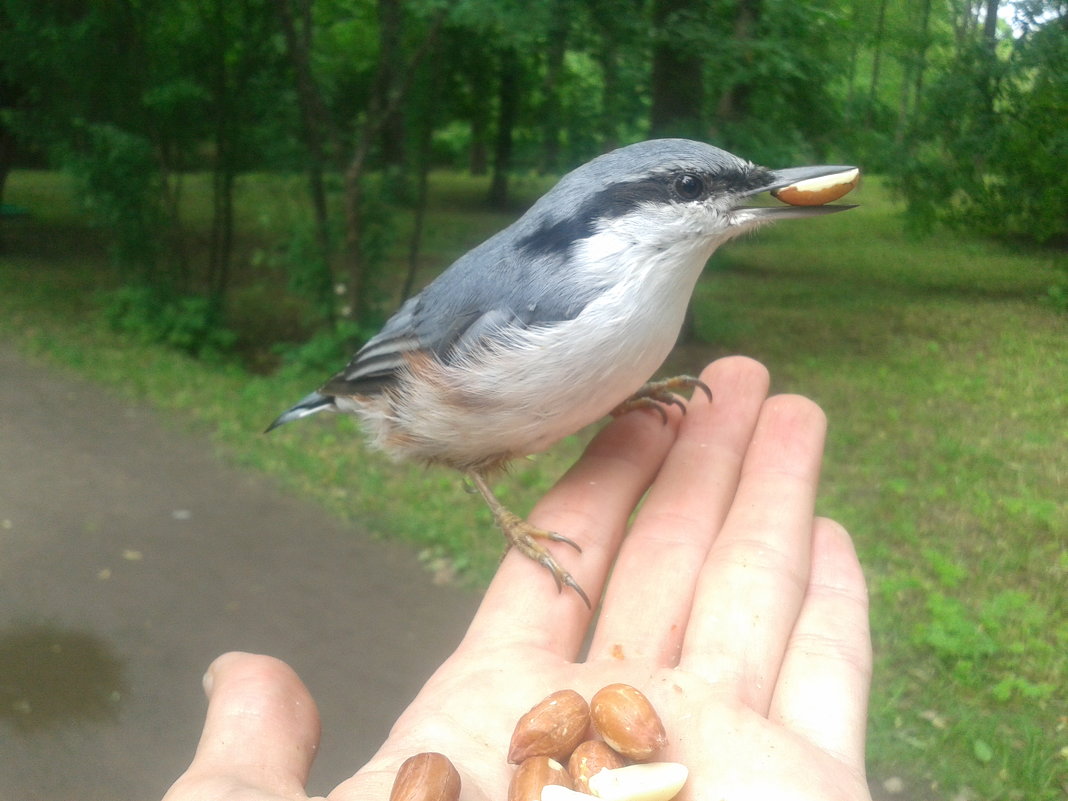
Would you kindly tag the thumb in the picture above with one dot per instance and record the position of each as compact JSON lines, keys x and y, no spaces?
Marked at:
{"x":261,"y":732}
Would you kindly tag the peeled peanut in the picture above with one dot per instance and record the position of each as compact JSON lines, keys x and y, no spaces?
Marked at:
{"x":626,"y":720}
{"x":818,"y":191}
{"x":533,"y":775}
{"x":556,"y":792}
{"x":589,"y":758}
{"x":650,"y":781}
{"x":426,"y":777}
{"x":552,"y":728}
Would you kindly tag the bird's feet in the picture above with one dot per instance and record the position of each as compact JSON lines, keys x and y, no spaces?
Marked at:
{"x":525,"y":537}
{"x":658,"y":394}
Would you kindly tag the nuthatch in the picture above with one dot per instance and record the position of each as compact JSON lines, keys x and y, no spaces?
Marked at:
{"x":557,"y":320}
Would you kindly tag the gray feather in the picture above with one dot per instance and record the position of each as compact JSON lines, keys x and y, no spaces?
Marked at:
{"x":310,"y":404}
{"x":520,"y":277}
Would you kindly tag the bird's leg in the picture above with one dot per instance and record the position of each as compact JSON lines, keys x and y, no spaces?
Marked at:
{"x":658,"y":394}
{"x":524,"y":536}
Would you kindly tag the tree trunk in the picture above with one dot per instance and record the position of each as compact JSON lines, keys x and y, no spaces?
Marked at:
{"x":677,"y":88}
{"x":608,"y":56}
{"x":551,"y":123}
{"x":7,"y":158}
{"x":508,"y":88}
{"x":430,"y":88}
{"x":854,"y":52}
{"x":733,"y":105}
{"x":222,"y":180}
{"x":222,"y":231}
{"x":990,"y":23}
{"x":389,"y":78}
{"x":876,"y":64}
{"x":478,"y":158}
{"x":481,"y":77}
{"x":907,"y":61}
{"x":925,"y":43}
{"x":380,"y":109}
{"x":315,"y":128}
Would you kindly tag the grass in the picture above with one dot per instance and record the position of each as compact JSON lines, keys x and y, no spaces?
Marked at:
{"x":943,"y":373}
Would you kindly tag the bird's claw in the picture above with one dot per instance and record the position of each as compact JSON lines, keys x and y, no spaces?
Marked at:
{"x":562,"y":577}
{"x":554,"y":537}
{"x":524,"y":537}
{"x":658,"y":394}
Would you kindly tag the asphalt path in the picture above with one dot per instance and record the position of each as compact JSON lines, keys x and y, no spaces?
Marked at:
{"x":130,"y":556}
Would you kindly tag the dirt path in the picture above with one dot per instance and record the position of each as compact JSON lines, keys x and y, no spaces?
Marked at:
{"x":130,"y":557}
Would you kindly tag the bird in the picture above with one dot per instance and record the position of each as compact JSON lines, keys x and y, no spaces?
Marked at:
{"x":558,"y":320}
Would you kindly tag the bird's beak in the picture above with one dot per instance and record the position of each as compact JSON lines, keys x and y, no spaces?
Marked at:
{"x":807,"y":190}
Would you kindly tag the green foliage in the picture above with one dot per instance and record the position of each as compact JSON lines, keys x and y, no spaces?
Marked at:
{"x":294,"y":247}
{"x":309,"y":276}
{"x":324,"y":352}
{"x":786,"y":76}
{"x":189,"y":324}
{"x":119,"y":184}
{"x":378,"y":235}
{"x":380,"y":193}
{"x":1058,"y":290}
{"x":988,"y":151}
{"x":972,"y":128}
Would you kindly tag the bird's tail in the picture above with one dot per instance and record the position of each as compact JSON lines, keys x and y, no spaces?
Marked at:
{"x":308,"y":405}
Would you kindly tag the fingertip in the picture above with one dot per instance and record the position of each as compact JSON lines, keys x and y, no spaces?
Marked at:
{"x":240,"y":667}
{"x":788,"y":439}
{"x":737,"y":366}
{"x":221,"y":664}
{"x":732,"y":381}
{"x":835,"y":562}
{"x":835,"y":535}
{"x":260,"y":717}
{"x":804,"y":411}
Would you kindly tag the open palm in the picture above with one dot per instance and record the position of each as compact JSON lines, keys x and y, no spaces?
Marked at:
{"x":738,"y":612}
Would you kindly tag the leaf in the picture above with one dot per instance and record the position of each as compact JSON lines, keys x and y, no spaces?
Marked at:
{"x":982,"y":750}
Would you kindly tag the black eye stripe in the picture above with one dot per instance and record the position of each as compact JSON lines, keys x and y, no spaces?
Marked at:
{"x":620,"y":199}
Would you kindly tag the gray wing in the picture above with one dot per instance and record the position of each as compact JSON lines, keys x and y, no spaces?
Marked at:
{"x":488,"y":293}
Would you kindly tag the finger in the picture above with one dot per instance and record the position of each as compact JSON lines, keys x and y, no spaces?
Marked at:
{"x":822,"y":691}
{"x":261,"y":731}
{"x":754,"y":578}
{"x":591,"y":504}
{"x":650,"y":594}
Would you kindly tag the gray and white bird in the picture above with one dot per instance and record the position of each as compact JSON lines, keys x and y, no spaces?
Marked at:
{"x":557,"y":320}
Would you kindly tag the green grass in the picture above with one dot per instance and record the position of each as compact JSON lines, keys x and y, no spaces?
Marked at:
{"x":944,"y":375}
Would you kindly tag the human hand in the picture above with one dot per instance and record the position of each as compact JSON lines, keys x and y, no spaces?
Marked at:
{"x":739,"y":613}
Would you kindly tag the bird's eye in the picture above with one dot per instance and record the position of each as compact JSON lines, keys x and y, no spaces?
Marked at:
{"x":689,"y":186}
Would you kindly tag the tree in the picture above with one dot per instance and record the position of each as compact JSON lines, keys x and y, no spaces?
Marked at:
{"x":677,"y":67}
{"x":509,"y":84}
{"x":320,"y":138}
{"x":988,"y":148}
{"x":383,"y":105}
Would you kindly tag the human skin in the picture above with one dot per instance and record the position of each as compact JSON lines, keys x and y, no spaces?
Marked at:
{"x":729,"y":603}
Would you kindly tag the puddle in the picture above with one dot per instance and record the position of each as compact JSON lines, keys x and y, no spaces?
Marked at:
{"x":51,"y":676}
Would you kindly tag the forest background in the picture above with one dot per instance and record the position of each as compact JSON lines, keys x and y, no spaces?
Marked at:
{"x":256,"y":184}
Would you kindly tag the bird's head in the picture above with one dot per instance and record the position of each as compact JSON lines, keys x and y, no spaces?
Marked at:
{"x":661,"y":196}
